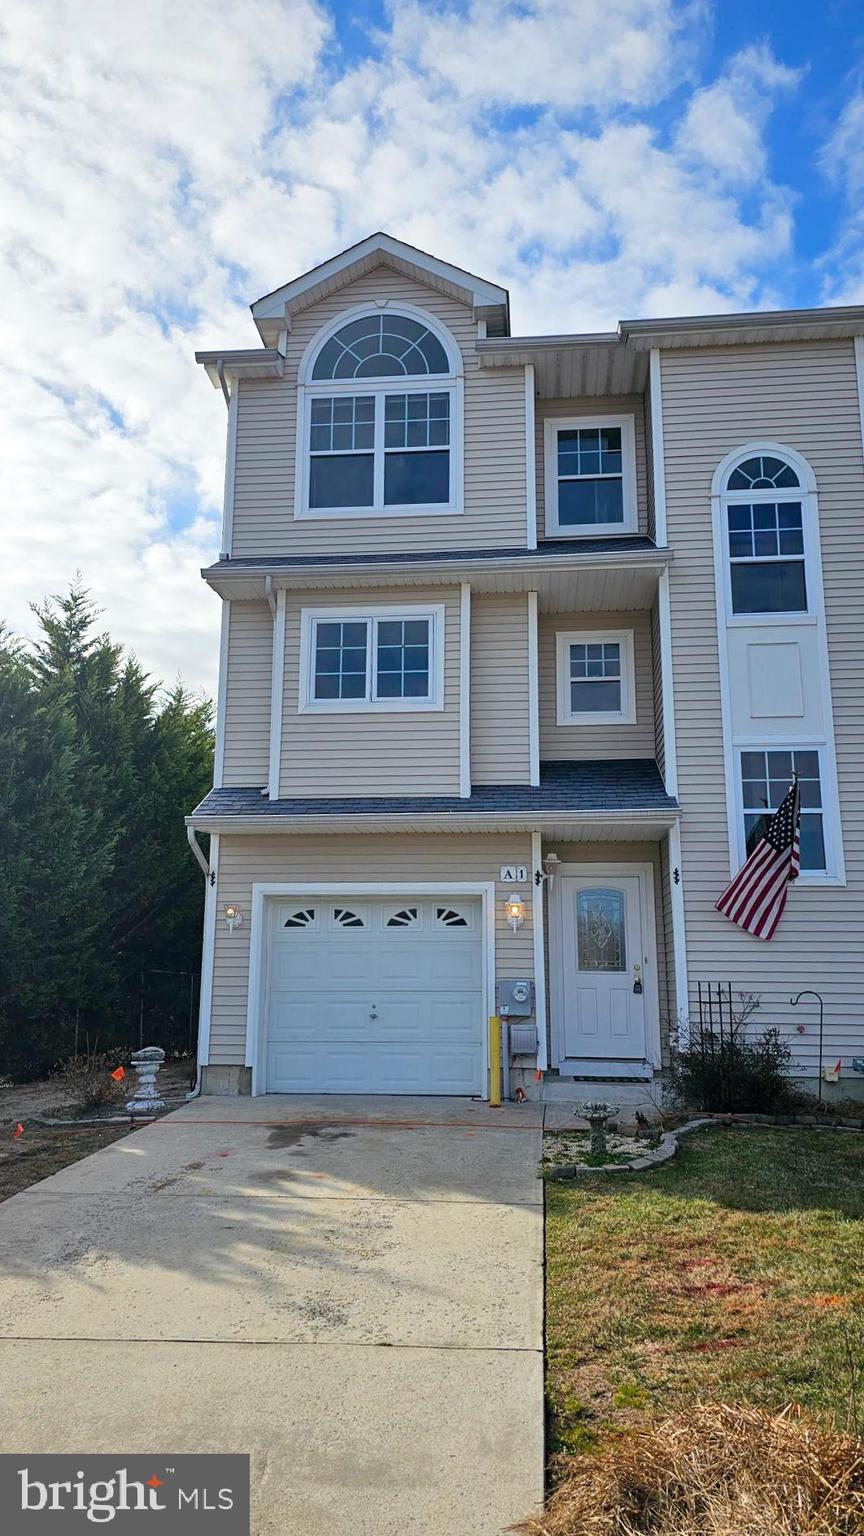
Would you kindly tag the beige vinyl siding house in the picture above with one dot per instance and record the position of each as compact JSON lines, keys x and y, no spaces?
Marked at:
{"x":246,"y":706}
{"x":494,"y":468}
{"x":593,"y":406}
{"x":587,"y":740}
{"x":806,"y":397}
{"x":475,"y":765}
{"x":499,"y":699}
{"x":400,"y":753}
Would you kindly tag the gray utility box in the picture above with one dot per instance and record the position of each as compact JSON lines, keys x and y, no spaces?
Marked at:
{"x":515,"y":999}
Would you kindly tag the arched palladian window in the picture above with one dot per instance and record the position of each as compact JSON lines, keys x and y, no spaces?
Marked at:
{"x":764,"y":513}
{"x":381,"y":417}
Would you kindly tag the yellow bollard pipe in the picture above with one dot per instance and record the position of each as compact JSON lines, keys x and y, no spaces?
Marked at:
{"x":494,"y":1062}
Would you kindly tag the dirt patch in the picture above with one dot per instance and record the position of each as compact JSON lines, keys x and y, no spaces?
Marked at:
{"x":42,"y":1150}
{"x":563,"y":1147}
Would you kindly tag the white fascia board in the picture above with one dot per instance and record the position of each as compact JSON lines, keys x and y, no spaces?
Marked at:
{"x":478,"y":291}
{"x":463,"y":821}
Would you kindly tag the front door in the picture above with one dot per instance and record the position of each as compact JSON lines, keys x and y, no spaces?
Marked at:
{"x":603,"y":984}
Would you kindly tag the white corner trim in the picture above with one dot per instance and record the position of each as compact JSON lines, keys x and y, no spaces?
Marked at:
{"x":667,"y":686}
{"x":679,"y":933}
{"x":552,"y":426}
{"x":859,"y":374}
{"x":658,"y":460}
{"x":533,"y":693}
{"x":624,"y":639}
{"x":221,"y":695}
{"x":277,"y":683}
{"x":230,"y":471}
{"x":205,"y":1002}
{"x":465,"y":690}
{"x":530,"y":461}
{"x":538,"y":897}
{"x":259,"y":927}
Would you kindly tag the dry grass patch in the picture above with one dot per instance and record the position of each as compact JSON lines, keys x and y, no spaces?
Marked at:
{"x":734,"y":1273}
{"x":715,"y":1471}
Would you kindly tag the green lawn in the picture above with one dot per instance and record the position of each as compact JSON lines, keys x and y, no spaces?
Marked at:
{"x":734,"y":1273}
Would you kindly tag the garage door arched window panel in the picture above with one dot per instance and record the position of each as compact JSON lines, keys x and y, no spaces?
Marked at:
{"x":348,"y":917}
{"x":380,"y":417}
{"x":306,"y":917}
{"x":404,"y":917}
{"x":451,"y":917}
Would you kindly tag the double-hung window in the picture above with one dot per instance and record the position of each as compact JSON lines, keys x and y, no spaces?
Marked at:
{"x":766,"y":778}
{"x":590,"y":471}
{"x":382,"y":421}
{"x":596,"y":678}
{"x":372,"y":659}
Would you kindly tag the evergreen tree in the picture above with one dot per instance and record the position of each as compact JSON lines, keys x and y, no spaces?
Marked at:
{"x":97,"y":769}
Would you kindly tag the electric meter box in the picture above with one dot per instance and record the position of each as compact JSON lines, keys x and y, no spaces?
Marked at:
{"x":515,"y":999}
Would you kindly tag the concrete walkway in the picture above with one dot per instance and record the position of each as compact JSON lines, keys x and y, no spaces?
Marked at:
{"x":348,"y":1289}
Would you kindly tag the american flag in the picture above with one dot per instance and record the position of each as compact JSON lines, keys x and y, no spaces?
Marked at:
{"x":756,"y":897}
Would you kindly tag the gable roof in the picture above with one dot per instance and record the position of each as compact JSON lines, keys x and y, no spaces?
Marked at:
{"x":489,"y":301}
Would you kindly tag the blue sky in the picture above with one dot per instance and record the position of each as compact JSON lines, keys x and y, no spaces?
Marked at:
{"x":162,"y":166}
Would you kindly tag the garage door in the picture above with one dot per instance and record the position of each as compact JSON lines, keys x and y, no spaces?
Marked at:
{"x":375,"y":996}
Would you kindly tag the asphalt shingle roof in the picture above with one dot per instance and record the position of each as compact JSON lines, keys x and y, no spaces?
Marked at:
{"x":635,"y":544}
{"x":632,"y":784}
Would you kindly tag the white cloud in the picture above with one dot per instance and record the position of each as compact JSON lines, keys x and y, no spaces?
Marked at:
{"x":162,"y":165}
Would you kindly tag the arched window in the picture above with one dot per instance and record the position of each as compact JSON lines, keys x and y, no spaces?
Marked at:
{"x":764,"y":527}
{"x":381,"y":417}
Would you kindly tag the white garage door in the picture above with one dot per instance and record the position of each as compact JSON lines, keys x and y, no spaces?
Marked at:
{"x":375,"y":996}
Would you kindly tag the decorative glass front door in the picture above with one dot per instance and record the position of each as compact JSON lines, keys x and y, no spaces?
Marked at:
{"x":603,"y":962}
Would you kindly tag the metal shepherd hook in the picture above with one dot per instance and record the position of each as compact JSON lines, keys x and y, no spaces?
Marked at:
{"x":808,"y":992}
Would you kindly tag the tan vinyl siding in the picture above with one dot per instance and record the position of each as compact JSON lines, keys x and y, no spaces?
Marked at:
{"x":596,"y":741}
{"x":591,"y":405}
{"x":632,"y":853}
{"x":247,"y":694}
{"x":375,"y":753}
{"x":499,"y":689}
{"x":715,"y":401}
{"x":247,"y":860}
{"x":494,"y":468}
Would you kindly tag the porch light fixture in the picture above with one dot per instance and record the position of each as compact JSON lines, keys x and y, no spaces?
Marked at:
{"x":550,"y":867}
{"x":514,"y":907}
{"x":233,"y":917}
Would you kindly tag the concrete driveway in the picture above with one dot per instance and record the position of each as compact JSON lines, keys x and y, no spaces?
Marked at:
{"x":348,"y":1289}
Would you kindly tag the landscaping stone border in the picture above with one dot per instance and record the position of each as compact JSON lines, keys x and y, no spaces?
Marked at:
{"x":654,"y":1156}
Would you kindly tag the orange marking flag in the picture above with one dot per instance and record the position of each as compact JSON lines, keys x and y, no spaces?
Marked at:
{"x":118,"y":1074}
{"x":18,"y":1131}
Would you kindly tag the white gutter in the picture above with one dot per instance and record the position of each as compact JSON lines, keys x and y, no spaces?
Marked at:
{"x":447,"y":821}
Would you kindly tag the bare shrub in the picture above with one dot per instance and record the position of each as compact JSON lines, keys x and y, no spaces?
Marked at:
{"x":715,"y":1471}
{"x":87,"y":1082}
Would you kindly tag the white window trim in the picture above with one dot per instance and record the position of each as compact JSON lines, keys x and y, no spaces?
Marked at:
{"x":451,"y":384}
{"x":806,"y":494}
{"x":835,"y":874}
{"x":830,"y":814}
{"x":555,"y":424}
{"x":622,"y":637}
{"x":309,"y":617}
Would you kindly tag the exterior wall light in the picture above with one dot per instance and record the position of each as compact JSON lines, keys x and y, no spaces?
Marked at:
{"x":514,"y":907}
{"x":550,"y":867}
{"x":233,"y":917}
